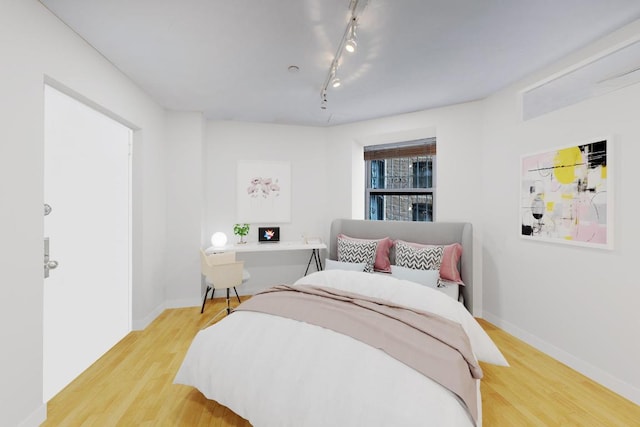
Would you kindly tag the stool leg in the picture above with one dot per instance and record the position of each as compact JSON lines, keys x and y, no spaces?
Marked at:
{"x":205,"y":298}
{"x":237,"y":296}
{"x":228,"y":306}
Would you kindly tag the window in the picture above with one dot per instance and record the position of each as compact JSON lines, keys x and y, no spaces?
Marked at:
{"x":400,"y":181}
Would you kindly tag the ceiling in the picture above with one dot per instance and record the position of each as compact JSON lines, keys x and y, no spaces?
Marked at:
{"x":230,"y":59}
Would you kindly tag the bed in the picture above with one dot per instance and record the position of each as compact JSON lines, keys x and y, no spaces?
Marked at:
{"x":274,"y":370}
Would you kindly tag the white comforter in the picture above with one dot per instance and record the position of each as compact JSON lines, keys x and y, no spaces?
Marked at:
{"x":279,"y":372}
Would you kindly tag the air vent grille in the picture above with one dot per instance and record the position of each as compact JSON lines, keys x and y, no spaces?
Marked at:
{"x":607,"y":72}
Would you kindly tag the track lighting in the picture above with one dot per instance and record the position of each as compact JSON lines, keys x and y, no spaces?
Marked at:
{"x":348,"y":43}
{"x":323,"y":103}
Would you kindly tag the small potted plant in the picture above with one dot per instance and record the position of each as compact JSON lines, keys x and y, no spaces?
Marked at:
{"x":241,"y":230}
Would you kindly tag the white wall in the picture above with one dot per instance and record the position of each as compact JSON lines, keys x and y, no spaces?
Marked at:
{"x":580,"y":305}
{"x":305,"y":148}
{"x":35,"y":44}
{"x":185,"y":204}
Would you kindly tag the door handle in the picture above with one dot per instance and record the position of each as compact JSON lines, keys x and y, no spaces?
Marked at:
{"x":48,"y":264}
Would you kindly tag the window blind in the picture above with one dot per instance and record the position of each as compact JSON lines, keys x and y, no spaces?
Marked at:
{"x":390,"y":151}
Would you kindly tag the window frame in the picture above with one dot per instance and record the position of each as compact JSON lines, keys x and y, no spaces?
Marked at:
{"x":396,"y":150}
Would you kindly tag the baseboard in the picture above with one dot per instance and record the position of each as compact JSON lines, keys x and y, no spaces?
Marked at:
{"x":185,"y":302}
{"x":598,"y":375}
{"x":36,"y":418}
{"x":243,"y":290}
{"x":140,"y":324}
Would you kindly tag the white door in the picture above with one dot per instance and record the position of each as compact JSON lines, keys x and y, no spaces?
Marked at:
{"x":87,"y":298}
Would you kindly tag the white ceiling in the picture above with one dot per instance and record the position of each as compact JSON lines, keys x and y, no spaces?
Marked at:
{"x":229,"y":58}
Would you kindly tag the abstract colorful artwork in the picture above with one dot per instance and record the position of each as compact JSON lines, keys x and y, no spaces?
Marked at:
{"x":566,"y":195}
{"x":263,"y":191}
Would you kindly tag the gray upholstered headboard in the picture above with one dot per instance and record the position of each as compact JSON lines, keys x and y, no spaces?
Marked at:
{"x":431,"y":233}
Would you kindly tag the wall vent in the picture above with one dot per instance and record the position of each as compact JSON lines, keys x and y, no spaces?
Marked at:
{"x":614,"y":69}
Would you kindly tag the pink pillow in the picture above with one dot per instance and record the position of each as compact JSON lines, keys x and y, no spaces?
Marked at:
{"x":382,"y":262}
{"x":449,"y":265}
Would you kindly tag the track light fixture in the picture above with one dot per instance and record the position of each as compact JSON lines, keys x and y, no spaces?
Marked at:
{"x":352,"y":43}
{"x":348,"y":43}
{"x":335,"y":81}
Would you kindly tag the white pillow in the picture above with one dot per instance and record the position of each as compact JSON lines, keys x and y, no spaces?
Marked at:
{"x":330,"y":264}
{"x":423,"y":277}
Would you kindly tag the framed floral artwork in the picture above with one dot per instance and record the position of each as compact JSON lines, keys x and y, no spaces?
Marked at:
{"x":566,"y":195}
{"x":264,"y":191}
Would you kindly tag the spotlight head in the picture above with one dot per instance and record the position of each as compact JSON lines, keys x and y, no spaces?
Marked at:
{"x":335,"y":82}
{"x":351,"y":45}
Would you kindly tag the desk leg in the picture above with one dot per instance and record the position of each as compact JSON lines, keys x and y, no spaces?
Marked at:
{"x":309,"y":263}
{"x":315,"y":255}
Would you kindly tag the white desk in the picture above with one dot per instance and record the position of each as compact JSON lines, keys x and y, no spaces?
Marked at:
{"x":275,"y":247}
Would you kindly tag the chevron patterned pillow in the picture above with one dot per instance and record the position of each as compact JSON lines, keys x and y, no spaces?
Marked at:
{"x":428,"y":258}
{"x":357,"y":252}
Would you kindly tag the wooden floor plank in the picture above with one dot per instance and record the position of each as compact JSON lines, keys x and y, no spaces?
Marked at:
{"x":132,"y":385}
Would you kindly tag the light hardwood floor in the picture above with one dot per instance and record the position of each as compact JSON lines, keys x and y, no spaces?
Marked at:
{"x":132,"y":385}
